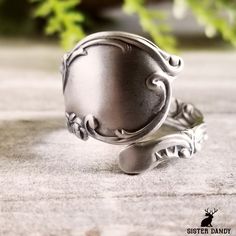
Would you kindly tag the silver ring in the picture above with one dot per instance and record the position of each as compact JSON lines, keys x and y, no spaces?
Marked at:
{"x":117,"y":89}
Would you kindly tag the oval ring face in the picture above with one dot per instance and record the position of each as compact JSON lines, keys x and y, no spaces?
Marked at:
{"x":118,"y":86}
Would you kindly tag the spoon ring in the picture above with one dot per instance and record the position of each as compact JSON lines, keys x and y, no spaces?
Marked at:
{"x":117,"y":89}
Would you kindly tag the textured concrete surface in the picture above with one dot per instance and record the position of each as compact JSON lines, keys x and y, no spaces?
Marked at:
{"x":54,"y":184}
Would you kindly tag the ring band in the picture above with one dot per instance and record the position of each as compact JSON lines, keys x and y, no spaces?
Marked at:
{"x":117,"y":89}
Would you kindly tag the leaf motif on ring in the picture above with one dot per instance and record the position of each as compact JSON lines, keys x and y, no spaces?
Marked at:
{"x":156,"y":83}
{"x":88,"y":125}
{"x":75,"y":126}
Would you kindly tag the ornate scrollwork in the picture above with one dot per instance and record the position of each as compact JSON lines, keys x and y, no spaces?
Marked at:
{"x":80,"y":50}
{"x":89,"y":125}
{"x":76,"y":126}
{"x":158,"y":83}
{"x":182,"y":144}
{"x":159,"y":86}
{"x":184,"y":114}
{"x":189,"y":120}
{"x":170,"y":64}
{"x":82,"y":128}
{"x":151,"y":142}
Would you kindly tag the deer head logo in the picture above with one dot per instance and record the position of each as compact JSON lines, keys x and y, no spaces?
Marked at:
{"x":207,"y":221}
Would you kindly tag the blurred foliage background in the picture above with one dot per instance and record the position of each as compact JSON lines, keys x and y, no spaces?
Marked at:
{"x":71,"y":20}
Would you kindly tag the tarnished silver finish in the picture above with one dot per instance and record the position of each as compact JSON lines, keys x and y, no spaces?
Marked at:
{"x":117,"y":89}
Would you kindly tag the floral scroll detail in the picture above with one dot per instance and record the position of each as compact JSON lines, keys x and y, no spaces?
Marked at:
{"x":185,"y":114}
{"x":83,"y":128}
{"x":189,"y":120}
{"x":182,"y":145}
{"x":75,"y":125}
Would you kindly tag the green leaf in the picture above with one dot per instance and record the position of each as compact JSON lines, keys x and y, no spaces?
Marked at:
{"x":152,"y":22}
{"x":53,"y":26}
{"x":64,"y":19}
{"x":44,"y":9}
{"x":213,"y":15}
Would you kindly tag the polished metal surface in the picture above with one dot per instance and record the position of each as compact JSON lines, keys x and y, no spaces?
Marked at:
{"x":117,"y":89}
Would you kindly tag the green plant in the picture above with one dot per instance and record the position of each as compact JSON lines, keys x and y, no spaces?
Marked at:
{"x":63,"y":18}
{"x":218,"y":16}
{"x":152,"y":22}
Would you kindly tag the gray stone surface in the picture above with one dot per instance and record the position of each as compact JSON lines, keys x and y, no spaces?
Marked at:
{"x":54,"y":184}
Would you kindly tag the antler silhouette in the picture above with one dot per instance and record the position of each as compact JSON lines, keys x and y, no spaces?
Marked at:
{"x":213,"y":212}
{"x":206,"y":210}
